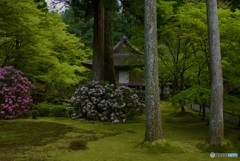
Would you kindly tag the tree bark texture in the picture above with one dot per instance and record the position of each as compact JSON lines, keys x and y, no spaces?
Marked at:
{"x":216,"y":122}
{"x":153,"y":116}
{"x":109,"y":75}
{"x":98,"y":44}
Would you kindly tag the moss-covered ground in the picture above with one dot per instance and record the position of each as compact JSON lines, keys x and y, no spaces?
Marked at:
{"x":62,"y":139}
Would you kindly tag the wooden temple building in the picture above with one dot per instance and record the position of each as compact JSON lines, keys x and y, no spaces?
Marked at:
{"x":126,"y":58}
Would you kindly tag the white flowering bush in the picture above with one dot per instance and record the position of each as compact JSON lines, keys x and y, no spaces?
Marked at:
{"x":101,"y":101}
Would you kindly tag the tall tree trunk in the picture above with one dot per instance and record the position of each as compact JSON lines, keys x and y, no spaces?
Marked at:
{"x":109,"y":75}
{"x":216,"y":122}
{"x":153,"y":117}
{"x":98,"y":44}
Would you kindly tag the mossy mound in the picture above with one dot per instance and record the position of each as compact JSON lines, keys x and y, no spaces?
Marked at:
{"x":224,"y":147}
{"x":162,"y":146}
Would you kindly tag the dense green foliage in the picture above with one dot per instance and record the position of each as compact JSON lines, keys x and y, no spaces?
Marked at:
{"x":58,"y":111}
{"x":36,"y":42}
{"x":82,"y":26}
{"x":46,"y":109}
{"x":195,"y":94}
{"x":43,"y":109}
{"x":50,"y":52}
{"x":183,"y":42}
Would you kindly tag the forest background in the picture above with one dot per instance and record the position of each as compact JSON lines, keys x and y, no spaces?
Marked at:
{"x":49,"y":46}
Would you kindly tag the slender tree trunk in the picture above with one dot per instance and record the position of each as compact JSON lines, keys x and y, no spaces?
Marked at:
{"x":153,"y":117}
{"x":162,"y":91}
{"x":200,"y":110}
{"x":16,"y":57}
{"x":181,"y":89}
{"x":182,"y":108}
{"x":98,"y":47}
{"x":204,"y":113}
{"x":204,"y":110}
{"x":216,"y":123}
{"x":175,"y":85}
{"x":109,"y":75}
{"x":199,"y":74}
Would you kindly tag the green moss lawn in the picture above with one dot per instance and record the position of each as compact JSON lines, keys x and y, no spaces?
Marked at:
{"x":62,"y":139}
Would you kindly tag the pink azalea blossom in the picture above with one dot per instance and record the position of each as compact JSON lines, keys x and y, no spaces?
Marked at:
{"x":15,"y":96}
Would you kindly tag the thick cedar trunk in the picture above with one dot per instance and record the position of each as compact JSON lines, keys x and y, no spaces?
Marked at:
{"x":108,"y":43}
{"x":216,"y":123}
{"x":98,"y":48}
{"x":153,"y":117}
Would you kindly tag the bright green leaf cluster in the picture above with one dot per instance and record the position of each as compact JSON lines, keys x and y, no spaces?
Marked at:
{"x":36,"y":42}
{"x":195,"y":94}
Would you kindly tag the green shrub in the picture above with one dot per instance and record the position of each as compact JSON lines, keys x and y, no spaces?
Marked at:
{"x":26,"y":115}
{"x":49,"y":98}
{"x":57,"y":101}
{"x":34,"y":113}
{"x":43,"y":111}
{"x":70,"y":111}
{"x":58,"y":111}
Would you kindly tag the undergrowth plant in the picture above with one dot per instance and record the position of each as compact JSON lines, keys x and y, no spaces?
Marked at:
{"x":15,"y":93}
{"x":101,"y":101}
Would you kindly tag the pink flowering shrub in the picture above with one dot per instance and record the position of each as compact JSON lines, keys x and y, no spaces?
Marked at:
{"x":15,"y":95}
{"x":104,"y":102}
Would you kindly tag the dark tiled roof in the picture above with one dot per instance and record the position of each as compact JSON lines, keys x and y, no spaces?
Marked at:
{"x":125,"y":56}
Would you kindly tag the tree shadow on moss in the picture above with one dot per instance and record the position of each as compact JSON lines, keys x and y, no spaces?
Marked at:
{"x":16,"y":134}
{"x":78,"y":145}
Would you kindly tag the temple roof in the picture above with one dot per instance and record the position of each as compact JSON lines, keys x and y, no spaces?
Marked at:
{"x":125,"y":56}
